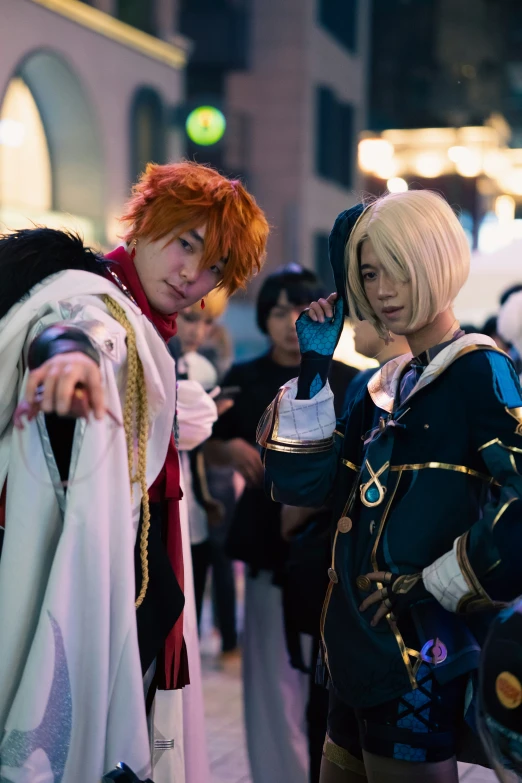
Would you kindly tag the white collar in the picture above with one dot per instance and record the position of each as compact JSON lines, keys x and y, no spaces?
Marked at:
{"x":382,"y":387}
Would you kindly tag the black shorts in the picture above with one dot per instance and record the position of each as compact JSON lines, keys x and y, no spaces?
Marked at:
{"x":421,"y":726}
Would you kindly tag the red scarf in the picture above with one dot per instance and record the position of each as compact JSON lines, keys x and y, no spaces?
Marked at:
{"x":166,"y":487}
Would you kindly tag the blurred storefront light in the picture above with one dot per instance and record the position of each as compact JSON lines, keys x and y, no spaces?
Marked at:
{"x":25,"y":161}
{"x":26,"y":180}
{"x":495,"y":163}
{"x":376,"y":155}
{"x":12,"y":133}
{"x":429,"y":165}
{"x":387,"y":170}
{"x":397,"y":185}
{"x":505,"y":209}
{"x":469,"y":163}
{"x":512,"y":181}
{"x":476,"y":152}
{"x":456,"y":153}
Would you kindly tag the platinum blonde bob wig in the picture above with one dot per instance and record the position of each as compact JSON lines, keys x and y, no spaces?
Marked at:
{"x":418,"y":239}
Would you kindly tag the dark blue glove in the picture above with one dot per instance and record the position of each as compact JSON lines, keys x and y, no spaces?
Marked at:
{"x":317,"y":342}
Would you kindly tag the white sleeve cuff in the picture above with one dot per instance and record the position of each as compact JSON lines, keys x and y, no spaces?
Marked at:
{"x":197,"y":413}
{"x":305,"y":421}
{"x":445,"y":581}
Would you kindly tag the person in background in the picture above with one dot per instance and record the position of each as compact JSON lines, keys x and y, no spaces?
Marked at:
{"x":194,"y":325}
{"x":368,"y":343}
{"x":212,"y":493}
{"x":218,"y":347}
{"x":509,"y":326}
{"x":504,"y":296}
{"x":491,"y":329}
{"x":275,"y":694}
{"x":514,"y":353}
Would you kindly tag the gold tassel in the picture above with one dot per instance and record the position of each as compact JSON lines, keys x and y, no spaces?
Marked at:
{"x":136,"y":410}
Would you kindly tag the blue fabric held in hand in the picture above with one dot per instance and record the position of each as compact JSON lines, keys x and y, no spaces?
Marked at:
{"x":317,"y":337}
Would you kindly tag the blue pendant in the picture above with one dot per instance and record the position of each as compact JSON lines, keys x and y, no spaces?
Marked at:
{"x":372,"y":495}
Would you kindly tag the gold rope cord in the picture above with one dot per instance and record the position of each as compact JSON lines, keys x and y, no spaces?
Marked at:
{"x":136,"y":409}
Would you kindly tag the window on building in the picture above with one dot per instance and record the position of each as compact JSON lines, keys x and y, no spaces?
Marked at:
{"x":340,"y":18}
{"x":25,"y":162}
{"x":148,"y":131}
{"x":138,"y":13}
{"x":334,"y":138}
{"x":323,"y":269}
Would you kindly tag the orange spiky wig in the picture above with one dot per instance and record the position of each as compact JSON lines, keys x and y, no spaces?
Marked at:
{"x":183,"y":196}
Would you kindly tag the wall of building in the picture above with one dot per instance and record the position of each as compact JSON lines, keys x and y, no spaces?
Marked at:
{"x":272,"y":92}
{"x":290,"y":56}
{"x":345,"y":73}
{"x":84,"y":84}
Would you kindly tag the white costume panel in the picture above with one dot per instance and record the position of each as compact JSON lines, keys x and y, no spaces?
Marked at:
{"x":71,"y":691}
{"x":180,"y":750}
{"x":275,"y":694}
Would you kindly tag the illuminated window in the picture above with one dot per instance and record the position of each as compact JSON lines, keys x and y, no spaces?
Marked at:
{"x":25,"y":164}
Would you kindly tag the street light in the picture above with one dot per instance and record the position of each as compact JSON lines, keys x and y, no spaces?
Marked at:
{"x":397,"y":185}
{"x":429,"y":164}
{"x":376,"y":157}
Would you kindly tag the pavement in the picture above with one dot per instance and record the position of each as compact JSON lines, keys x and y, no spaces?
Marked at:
{"x":225,"y":731}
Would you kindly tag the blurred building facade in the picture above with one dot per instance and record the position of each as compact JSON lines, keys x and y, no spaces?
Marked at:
{"x":291,"y":78}
{"x":91,"y":90}
{"x":441,"y":63}
{"x":445,"y":112}
{"x":87,"y":91}
{"x":446,"y":106}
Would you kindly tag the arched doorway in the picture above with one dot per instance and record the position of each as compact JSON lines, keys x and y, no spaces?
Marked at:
{"x":51,"y":163}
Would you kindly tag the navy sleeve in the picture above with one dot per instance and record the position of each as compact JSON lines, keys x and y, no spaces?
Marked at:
{"x":307,"y":475}
{"x":489,"y":554}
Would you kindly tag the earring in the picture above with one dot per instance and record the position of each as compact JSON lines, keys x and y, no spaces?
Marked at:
{"x":133,"y":251}
{"x":203,"y":304}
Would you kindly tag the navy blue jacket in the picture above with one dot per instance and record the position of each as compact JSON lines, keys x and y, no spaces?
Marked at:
{"x":445,"y":464}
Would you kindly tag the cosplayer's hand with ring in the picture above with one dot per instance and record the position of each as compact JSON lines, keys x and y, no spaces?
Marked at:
{"x":399,"y":592}
{"x":68,"y":384}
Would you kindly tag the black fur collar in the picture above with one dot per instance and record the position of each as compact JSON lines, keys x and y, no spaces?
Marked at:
{"x":29,"y":256}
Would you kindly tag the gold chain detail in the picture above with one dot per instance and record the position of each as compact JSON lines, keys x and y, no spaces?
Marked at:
{"x":136,"y":409}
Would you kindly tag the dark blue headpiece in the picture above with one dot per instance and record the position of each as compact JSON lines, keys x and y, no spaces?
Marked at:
{"x":339,"y":236}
